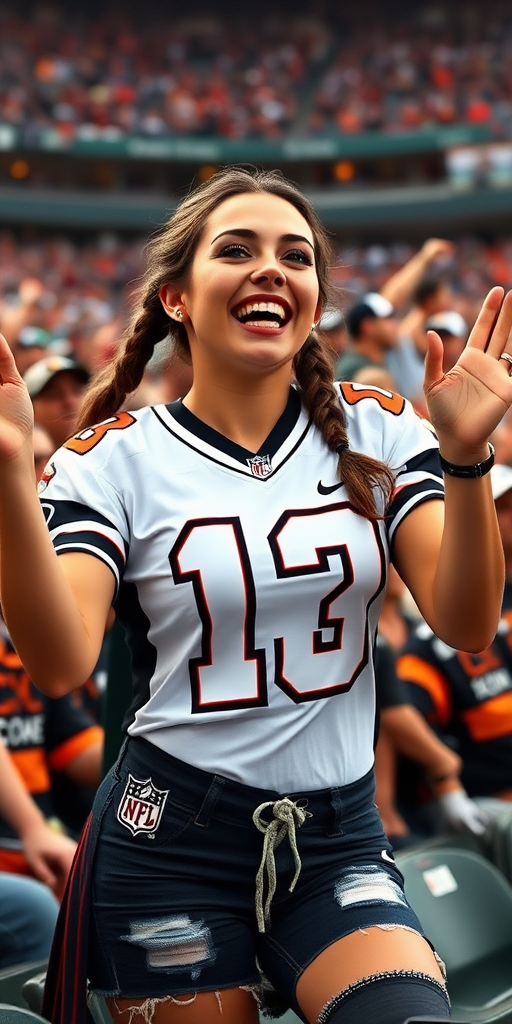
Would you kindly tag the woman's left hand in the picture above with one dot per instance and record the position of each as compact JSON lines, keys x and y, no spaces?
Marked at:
{"x":466,"y":404}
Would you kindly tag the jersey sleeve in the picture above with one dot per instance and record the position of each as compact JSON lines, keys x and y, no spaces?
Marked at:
{"x":385,"y":426}
{"x":84,"y":511}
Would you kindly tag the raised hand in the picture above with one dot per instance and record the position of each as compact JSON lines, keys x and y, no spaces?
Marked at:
{"x":466,"y":404}
{"x":16,"y":414}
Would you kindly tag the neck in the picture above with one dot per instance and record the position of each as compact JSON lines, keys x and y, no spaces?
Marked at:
{"x":244,"y":414}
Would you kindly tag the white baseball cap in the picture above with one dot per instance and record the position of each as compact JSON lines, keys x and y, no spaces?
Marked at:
{"x":449,"y":321}
{"x":41,"y":373}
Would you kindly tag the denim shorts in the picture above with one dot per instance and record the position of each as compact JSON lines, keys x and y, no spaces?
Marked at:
{"x":174,"y":879}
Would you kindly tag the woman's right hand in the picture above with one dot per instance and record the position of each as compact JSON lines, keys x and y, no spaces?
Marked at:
{"x":16,"y":412}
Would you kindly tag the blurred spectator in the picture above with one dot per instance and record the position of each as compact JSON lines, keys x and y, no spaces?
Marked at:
{"x":332,"y":328}
{"x":28,"y":912}
{"x":31,"y":345}
{"x":432,"y":295}
{"x":29,"y":844}
{"x":467,"y":698}
{"x":375,"y":376}
{"x":373,"y":328}
{"x":41,"y":735}
{"x":405,"y":733}
{"x":28,"y":306}
{"x":453,"y":331}
{"x":56,"y":386}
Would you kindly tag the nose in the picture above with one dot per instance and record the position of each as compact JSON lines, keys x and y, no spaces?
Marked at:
{"x":269,"y":271}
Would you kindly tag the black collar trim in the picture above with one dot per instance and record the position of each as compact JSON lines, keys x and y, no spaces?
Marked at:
{"x":270,"y":446}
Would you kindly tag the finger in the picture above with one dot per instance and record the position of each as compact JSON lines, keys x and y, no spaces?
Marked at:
{"x":8,"y":368}
{"x":44,"y":873}
{"x":433,"y":360}
{"x":486,"y":319}
{"x":501,"y":333}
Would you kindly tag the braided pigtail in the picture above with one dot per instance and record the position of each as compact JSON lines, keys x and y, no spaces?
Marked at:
{"x":118,"y":379}
{"x":360,"y":473}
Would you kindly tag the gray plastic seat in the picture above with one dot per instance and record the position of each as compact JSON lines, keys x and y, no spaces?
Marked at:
{"x":465,"y":906}
{"x":11,"y":1014}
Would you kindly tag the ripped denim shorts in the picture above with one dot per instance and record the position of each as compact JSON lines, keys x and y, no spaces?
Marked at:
{"x":200,"y":883}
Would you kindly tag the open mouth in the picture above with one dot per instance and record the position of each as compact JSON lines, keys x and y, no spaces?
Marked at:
{"x":263,"y":313}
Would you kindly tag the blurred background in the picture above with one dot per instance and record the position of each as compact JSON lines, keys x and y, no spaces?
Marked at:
{"x":395,"y":118}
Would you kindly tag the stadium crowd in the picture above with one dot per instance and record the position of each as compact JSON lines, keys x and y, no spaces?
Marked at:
{"x":68,"y":286}
{"x":224,"y":75}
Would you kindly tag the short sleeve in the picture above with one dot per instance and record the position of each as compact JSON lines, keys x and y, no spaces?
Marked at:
{"x":83,"y":510}
{"x":385,"y":426}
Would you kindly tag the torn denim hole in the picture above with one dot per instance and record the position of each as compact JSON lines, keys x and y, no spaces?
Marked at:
{"x":369,"y":885}
{"x":174,"y":943}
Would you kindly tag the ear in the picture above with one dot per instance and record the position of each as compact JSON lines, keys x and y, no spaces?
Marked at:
{"x":172,"y":301}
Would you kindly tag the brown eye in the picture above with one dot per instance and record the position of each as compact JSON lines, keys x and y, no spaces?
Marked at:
{"x":299,"y":256}
{"x":234,"y":249}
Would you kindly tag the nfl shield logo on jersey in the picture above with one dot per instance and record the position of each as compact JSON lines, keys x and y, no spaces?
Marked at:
{"x":260,"y":465}
{"x":141,"y":806}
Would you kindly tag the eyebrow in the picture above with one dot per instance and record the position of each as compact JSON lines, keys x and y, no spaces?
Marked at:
{"x":247,"y":233}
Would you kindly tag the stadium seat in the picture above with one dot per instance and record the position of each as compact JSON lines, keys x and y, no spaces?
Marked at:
{"x":499,"y":842}
{"x":32,"y":991}
{"x":465,"y":906}
{"x":12,"y":980}
{"x":10,"y":1014}
{"x":435,"y":1020}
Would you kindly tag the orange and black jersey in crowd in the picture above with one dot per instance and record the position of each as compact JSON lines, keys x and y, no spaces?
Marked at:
{"x":42,"y":735}
{"x":467,"y":697}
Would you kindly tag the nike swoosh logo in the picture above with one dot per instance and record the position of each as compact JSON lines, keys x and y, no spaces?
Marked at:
{"x":327,"y":489}
{"x":386,"y":856}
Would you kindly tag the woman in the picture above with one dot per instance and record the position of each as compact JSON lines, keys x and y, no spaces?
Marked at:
{"x":243,"y":535}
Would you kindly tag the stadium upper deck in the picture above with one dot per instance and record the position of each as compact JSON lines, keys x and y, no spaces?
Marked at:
{"x":126,"y":107}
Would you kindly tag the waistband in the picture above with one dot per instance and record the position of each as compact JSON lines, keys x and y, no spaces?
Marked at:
{"x":214,"y":794}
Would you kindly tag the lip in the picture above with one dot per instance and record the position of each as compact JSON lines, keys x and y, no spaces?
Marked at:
{"x":263,"y":297}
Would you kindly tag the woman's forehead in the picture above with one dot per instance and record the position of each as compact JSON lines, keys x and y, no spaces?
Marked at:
{"x":259,"y":212}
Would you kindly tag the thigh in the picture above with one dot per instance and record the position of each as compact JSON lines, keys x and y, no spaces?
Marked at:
{"x":349,"y":889}
{"x":228,"y":1006}
{"x":364,"y":953}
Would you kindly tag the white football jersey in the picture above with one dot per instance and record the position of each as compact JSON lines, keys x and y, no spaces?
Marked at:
{"x":248,"y":587}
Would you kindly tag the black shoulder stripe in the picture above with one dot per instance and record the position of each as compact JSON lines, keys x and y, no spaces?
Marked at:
{"x":426,"y":462}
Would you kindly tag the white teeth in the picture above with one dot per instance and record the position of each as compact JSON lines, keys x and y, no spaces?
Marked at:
{"x":265,"y":323}
{"x":262,"y":307}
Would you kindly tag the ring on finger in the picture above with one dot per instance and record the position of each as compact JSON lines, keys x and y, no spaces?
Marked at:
{"x":508,"y":358}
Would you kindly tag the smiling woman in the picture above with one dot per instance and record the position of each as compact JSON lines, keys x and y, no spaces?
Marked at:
{"x":234,"y":856}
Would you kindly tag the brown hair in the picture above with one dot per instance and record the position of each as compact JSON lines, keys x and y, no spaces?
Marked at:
{"x":169,"y":257}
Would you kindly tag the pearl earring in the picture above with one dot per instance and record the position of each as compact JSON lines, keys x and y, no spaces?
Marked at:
{"x":179,"y":314}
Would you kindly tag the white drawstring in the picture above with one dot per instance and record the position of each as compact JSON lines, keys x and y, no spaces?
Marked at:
{"x":287,"y":817}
